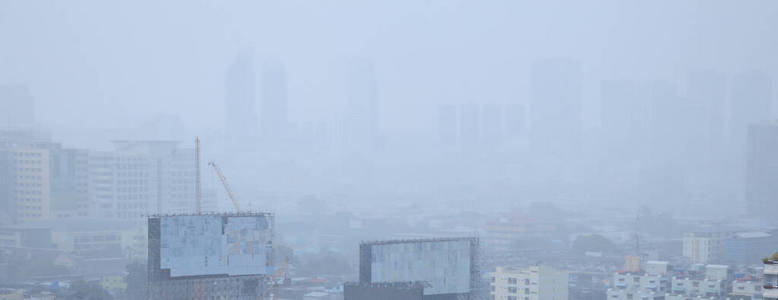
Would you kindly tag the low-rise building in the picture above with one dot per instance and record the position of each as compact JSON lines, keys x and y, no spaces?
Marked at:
{"x":770,"y":272}
{"x":533,"y":283}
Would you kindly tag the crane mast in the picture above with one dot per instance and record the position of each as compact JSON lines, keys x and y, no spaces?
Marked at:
{"x":198,"y":192}
{"x":225,"y":184}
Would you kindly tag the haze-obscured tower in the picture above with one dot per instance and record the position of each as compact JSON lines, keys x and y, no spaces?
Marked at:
{"x":706,"y":92}
{"x":273,"y":108}
{"x":491,"y":124}
{"x":468,"y":125}
{"x":447,"y":125}
{"x":749,"y":102}
{"x":240,"y":117}
{"x":556,"y":107}
{"x":17,"y":107}
{"x":762,"y":168}
{"x":625,"y":113}
{"x":361,"y":120}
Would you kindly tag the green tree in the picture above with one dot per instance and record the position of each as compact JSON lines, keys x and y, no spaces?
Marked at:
{"x":593,"y":243}
{"x":87,"y":290}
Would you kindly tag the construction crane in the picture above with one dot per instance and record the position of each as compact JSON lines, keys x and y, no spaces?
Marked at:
{"x":225,"y":184}
{"x":198,"y":194}
{"x":278,"y":278}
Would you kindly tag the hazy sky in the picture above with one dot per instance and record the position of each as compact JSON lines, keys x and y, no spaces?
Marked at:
{"x":114,"y":64}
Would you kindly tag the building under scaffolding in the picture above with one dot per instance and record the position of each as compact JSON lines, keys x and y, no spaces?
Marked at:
{"x":447,"y":266}
{"x":210,"y":256}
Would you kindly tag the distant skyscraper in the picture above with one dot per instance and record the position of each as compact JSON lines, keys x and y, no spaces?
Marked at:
{"x":240,"y":116}
{"x":749,"y":102}
{"x":361,"y":121}
{"x":555,"y":126}
{"x":762,"y":168}
{"x":706,"y":92}
{"x":625,"y":113}
{"x":491,"y":124}
{"x":447,"y":125}
{"x":514,"y":122}
{"x":17,"y":107}
{"x":468,"y":125}
{"x":273,"y":111}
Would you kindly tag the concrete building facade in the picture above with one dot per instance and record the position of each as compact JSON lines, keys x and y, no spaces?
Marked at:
{"x":533,"y":283}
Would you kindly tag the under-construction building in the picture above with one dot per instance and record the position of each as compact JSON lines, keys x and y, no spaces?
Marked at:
{"x":211,"y":256}
{"x":447,"y":267}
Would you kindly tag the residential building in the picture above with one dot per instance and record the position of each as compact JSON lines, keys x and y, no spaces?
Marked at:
{"x":653,"y":283}
{"x":533,"y":283}
{"x":714,"y":282}
{"x":762,"y":168}
{"x":770,"y":275}
{"x":704,"y":247}
{"x":746,"y":289}
{"x":139,"y":178}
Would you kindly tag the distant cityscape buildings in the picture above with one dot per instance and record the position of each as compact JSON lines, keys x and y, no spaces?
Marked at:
{"x":532,"y":283}
{"x":240,"y":95}
{"x":555,"y":108}
{"x":762,"y":168}
{"x":273,"y":108}
{"x":17,"y":107}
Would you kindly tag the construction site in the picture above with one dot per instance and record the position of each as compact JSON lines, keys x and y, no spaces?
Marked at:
{"x":213,"y":255}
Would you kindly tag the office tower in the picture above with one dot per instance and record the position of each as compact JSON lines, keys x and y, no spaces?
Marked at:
{"x":273,"y":112}
{"x":7,"y":183}
{"x":361,"y":120}
{"x":32,"y":189}
{"x":468,"y":125}
{"x":514,"y":122}
{"x":69,"y":182}
{"x":749,"y":102}
{"x":447,"y":125}
{"x":625,"y":113}
{"x":770,"y":272}
{"x":762,"y":169}
{"x":533,"y":283}
{"x":27,"y":164}
{"x":142,"y":177}
{"x":240,"y":117}
{"x":491,"y":124}
{"x":706,"y":92}
{"x":555,"y":114}
{"x":17,"y":107}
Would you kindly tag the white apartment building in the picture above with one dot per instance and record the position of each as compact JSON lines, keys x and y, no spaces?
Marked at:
{"x":31,"y":189}
{"x":654,"y":283}
{"x":745,"y":289}
{"x":770,"y":271}
{"x":715,"y":282}
{"x":704,"y":247}
{"x":533,"y":283}
{"x":139,"y":178}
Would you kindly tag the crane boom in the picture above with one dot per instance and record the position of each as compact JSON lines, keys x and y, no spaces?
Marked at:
{"x":225,"y":184}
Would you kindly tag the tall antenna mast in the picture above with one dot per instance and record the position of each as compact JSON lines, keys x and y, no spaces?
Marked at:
{"x":197,"y":175}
